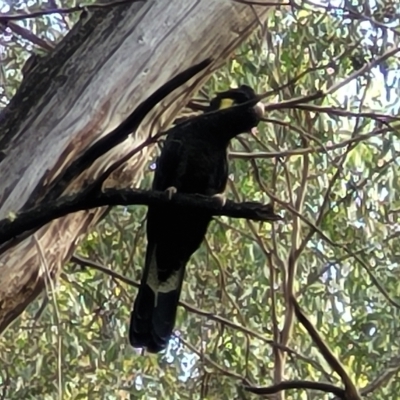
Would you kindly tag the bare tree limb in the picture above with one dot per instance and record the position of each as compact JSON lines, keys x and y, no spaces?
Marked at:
{"x":40,"y":215}
{"x":322,"y":387}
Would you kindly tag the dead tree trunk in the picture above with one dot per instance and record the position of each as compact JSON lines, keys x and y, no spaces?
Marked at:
{"x":111,"y":61}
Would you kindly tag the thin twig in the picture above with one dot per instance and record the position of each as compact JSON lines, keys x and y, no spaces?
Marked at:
{"x":309,"y":150}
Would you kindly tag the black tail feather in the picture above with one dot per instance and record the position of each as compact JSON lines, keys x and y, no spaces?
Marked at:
{"x":141,"y":317}
{"x":154,"y":313}
{"x":152,"y":324}
{"x":164,"y":316}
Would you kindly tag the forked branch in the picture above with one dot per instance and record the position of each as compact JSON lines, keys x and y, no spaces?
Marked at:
{"x":351,"y":392}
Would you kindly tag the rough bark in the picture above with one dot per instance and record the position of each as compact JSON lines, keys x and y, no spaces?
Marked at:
{"x":111,"y":60}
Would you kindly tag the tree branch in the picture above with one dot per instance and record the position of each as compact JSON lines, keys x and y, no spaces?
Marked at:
{"x":323,"y":387}
{"x":40,"y":215}
{"x":351,"y":391}
{"x":40,"y":13}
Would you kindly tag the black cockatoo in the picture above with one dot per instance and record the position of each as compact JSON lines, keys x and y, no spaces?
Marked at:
{"x":193,"y":160}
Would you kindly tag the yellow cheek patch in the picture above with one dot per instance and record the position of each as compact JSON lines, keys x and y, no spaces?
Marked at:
{"x":226,"y":103}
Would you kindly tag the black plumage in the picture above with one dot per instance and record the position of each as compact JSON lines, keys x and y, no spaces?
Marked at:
{"x":193,"y":160}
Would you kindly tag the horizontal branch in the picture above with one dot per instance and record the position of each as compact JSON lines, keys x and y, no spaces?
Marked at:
{"x":38,"y":216}
{"x":85,"y":262}
{"x":320,"y":386}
